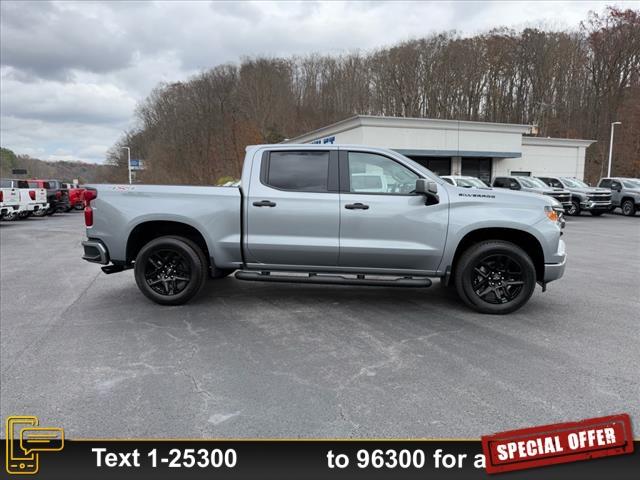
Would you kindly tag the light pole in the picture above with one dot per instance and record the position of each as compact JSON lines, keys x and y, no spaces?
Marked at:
{"x":613,"y":124}
{"x":128,"y":161}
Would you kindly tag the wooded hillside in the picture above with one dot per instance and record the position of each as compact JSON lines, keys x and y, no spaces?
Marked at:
{"x":572,"y":84}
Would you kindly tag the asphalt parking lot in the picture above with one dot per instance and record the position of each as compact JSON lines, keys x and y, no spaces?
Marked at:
{"x":88,"y":352}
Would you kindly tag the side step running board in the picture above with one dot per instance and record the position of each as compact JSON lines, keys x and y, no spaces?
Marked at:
{"x":323,"y":278}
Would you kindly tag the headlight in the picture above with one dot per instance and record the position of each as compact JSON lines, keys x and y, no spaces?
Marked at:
{"x":552,"y":213}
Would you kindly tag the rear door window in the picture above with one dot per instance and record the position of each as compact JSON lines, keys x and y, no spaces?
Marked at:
{"x":298,"y":171}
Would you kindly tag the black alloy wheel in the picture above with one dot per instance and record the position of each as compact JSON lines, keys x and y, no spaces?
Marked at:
{"x":498,"y":279}
{"x":167,"y":272}
{"x":495,"y":277}
{"x":170,"y":270}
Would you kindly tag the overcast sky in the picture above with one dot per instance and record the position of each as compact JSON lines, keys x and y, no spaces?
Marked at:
{"x":72,"y":72}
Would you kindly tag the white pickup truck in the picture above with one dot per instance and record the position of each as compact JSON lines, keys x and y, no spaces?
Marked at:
{"x":9,"y":202}
{"x":32,"y":201}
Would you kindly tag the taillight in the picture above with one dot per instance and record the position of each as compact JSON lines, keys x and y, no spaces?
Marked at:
{"x":88,"y":216}
{"x":1,"y":196}
{"x":87,"y":196}
{"x":58,"y":195}
{"x":32,"y":194}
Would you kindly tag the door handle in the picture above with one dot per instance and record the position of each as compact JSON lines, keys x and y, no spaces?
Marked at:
{"x":264,"y":203}
{"x":356,"y":206}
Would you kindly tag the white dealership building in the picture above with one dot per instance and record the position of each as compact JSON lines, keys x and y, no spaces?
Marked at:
{"x":452,"y":147}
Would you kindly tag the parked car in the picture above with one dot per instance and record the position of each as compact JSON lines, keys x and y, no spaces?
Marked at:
{"x":533,"y":185}
{"x":464,"y":181}
{"x":625,"y":193}
{"x":33,"y":201}
{"x":57,"y":197}
{"x":75,"y":194}
{"x":9,"y":202}
{"x":297,"y":218}
{"x":583,"y":197}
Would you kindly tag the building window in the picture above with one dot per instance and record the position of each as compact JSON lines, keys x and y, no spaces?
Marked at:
{"x":438,"y":165}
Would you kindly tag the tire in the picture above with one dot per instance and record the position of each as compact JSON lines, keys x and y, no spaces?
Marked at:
{"x":596,"y":213}
{"x":574,"y":209}
{"x":184,"y":268}
{"x":493,"y":262}
{"x":628,"y":208}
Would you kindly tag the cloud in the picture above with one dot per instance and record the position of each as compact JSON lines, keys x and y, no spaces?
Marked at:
{"x":72,"y":72}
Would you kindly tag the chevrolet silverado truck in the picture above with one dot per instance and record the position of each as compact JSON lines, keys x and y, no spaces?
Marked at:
{"x":583,"y":197}
{"x":32,"y":200}
{"x":625,"y":193}
{"x":297,"y":217}
{"x":533,"y":185}
{"x":9,"y":203}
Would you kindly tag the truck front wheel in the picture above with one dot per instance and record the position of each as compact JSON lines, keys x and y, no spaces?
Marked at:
{"x":495,"y":277}
{"x":628,"y":208}
{"x":170,"y":270}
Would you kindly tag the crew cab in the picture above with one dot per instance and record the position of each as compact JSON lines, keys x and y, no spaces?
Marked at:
{"x":625,"y":193}
{"x":533,"y":185}
{"x":32,"y":200}
{"x":583,"y":197}
{"x":303,"y":214}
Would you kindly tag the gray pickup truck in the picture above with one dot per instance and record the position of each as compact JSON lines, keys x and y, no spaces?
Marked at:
{"x":625,"y":193}
{"x":583,"y":197}
{"x":311,"y":213}
{"x":533,"y":185}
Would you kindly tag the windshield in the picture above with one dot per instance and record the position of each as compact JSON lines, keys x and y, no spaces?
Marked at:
{"x":470,"y":182}
{"x":631,"y":183}
{"x":531,"y":182}
{"x":573,"y":182}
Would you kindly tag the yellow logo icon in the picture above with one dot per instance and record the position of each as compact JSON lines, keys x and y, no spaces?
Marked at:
{"x":25,"y":441}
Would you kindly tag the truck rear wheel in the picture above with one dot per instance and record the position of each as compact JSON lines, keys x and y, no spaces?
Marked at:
{"x":170,"y":270}
{"x":495,"y":277}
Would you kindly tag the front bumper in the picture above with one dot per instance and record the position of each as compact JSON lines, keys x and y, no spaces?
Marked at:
{"x":591,"y":205}
{"x":95,"y":252}
{"x":553,"y":271}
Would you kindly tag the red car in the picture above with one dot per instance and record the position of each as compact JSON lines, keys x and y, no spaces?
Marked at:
{"x":75,"y":195}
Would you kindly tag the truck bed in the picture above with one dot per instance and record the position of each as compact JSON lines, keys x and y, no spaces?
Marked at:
{"x":214,"y":211}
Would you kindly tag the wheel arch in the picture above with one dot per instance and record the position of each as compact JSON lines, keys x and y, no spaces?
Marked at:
{"x":522,"y":239}
{"x":146,"y":231}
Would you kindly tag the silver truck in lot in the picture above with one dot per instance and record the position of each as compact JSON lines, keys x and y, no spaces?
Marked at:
{"x":625,"y":193}
{"x":533,"y":185}
{"x":583,"y":197}
{"x":303,"y":213}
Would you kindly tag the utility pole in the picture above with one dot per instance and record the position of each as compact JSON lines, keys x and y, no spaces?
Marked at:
{"x":613,"y":124}
{"x":128,"y":162}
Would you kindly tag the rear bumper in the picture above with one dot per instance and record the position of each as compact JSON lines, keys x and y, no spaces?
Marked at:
{"x":553,"y":271}
{"x":95,"y":252}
